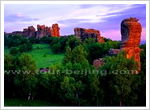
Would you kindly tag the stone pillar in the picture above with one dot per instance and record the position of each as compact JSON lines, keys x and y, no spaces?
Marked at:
{"x":55,"y":30}
{"x":40,"y":31}
{"x":131,"y":34}
{"x":31,"y":31}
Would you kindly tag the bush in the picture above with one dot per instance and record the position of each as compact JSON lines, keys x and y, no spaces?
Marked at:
{"x":14,"y":51}
{"x":56,"y":48}
{"x":23,"y":48}
{"x":29,"y":46}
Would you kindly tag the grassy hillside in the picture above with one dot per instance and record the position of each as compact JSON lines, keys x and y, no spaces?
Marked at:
{"x":43,"y":55}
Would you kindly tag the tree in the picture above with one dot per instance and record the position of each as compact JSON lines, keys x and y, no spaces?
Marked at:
{"x":71,"y":90}
{"x":63,"y":40}
{"x":94,"y":51}
{"x":23,"y":48}
{"x":27,"y":79}
{"x":143,"y":58}
{"x":54,"y":40}
{"x":89,"y":40}
{"x":96,"y":91}
{"x":78,"y":54}
{"x":68,"y":55}
{"x":29,"y":46}
{"x":56,"y":48}
{"x":8,"y":76}
{"x":14,"y":51}
{"x":72,"y":42}
{"x":8,"y":59}
{"x":119,"y":77}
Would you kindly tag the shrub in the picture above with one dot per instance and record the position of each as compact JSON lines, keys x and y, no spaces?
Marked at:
{"x":14,"y":51}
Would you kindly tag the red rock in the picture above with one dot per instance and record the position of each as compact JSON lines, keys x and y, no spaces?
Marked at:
{"x":82,"y":34}
{"x":55,"y":30}
{"x":131,"y":35}
{"x":42,"y":31}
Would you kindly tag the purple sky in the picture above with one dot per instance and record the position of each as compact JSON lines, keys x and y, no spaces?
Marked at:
{"x":103,"y":17}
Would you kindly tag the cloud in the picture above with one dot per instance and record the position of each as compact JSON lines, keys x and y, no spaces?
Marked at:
{"x":72,"y":21}
{"x":87,"y":5}
{"x":93,"y":13}
{"x":19,"y":17}
{"x":103,"y":17}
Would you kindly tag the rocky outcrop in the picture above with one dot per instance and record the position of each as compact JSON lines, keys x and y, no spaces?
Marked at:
{"x":55,"y":30}
{"x":42,"y":31}
{"x":83,"y":34}
{"x":131,"y":34}
{"x":29,"y":32}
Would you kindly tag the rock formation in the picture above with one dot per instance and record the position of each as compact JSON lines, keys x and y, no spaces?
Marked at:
{"x":83,"y":34}
{"x":55,"y":30}
{"x":131,"y":33}
{"x":42,"y":31}
{"x":29,"y":32}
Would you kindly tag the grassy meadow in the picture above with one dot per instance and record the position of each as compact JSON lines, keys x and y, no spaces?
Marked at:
{"x":43,"y":55}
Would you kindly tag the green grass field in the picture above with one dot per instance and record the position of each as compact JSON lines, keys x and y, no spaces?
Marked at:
{"x":43,"y":55}
{"x":18,"y":102}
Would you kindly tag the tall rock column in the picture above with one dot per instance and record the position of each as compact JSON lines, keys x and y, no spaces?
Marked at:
{"x":55,"y":30}
{"x":40,"y":31}
{"x":29,"y":32}
{"x":131,"y":34}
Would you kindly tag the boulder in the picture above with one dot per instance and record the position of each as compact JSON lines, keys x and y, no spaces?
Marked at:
{"x":98,"y":62}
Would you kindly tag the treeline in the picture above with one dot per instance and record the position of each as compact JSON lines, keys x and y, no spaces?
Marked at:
{"x":75,"y":82}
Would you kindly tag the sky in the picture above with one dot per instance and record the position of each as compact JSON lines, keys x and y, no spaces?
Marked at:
{"x":103,"y":17}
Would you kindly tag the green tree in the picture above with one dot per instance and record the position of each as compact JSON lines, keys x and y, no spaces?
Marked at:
{"x":72,"y":42}
{"x":23,"y":48}
{"x":63,"y":40}
{"x":9,"y":87}
{"x":56,"y":48}
{"x":68,"y":55}
{"x":78,"y":54}
{"x":29,"y":46}
{"x":8,"y":59}
{"x":119,"y":77}
{"x":89,"y":40}
{"x":27,"y":78}
{"x":14,"y":51}
{"x":96,"y":90}
{"x":54,"y":40}
{"x":71,"y":90}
